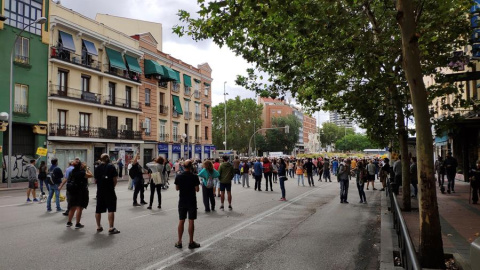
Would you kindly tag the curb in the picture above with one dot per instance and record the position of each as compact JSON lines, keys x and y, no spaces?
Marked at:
{"x":388,"y":242}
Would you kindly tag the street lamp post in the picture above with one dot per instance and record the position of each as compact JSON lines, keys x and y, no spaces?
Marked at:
{"x":225,"y":101}
{"x":40,"y":20}
{"x":185,"y":139}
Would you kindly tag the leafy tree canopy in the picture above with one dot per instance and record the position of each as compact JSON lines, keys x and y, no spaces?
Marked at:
{"x":278,"y":140}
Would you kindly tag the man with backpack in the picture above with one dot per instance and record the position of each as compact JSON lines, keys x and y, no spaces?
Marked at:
{"x":106,"y":178}
{"x":54,"y":179}
{"x":136,"y":173}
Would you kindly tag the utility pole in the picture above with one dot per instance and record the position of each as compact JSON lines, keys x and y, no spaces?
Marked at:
{"x":225,"y":100}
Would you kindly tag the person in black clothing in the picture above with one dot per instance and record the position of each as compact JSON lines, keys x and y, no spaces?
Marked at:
{"x":475,"y":182}
{"x":309,"y":167}
{"x":106,"y":179}
{"x":120,"y":167}
{"x":187,"y":183}
{"x":136,"y":173}
{"x":450,"y":165}
{"x":77,"y":187}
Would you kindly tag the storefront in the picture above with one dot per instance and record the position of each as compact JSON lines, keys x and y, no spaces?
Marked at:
{"x":206,"y":151}
{"x":163,"y":150}
{"x":125,"y":151}
{"x":187,"y":151}
{"x":198,"y":152}
{"x":176,"y":152}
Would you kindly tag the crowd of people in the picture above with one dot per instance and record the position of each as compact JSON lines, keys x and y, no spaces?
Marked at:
{"x":216,"y":177}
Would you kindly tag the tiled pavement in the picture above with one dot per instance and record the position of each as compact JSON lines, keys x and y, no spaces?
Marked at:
{"x":460,"y":222}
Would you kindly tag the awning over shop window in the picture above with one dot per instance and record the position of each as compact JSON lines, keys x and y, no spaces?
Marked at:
{"x":90,"y":47}
{"x":177,"y":106}
{"x":116,"y":59}
{"x":177,"y":76}
{"x":187,"y":80}
{"x":133,"y":64}
{"x":67,"y":41}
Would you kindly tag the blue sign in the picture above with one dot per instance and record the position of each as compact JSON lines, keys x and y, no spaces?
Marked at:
{"x":198,"y":148}
{"x":206,"y":149}
{"x":187,"y":148}
{"x":176,"y":148}
{"x":162,"y":148}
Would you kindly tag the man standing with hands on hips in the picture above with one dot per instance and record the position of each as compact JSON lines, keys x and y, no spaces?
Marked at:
{"x":187,"y":183}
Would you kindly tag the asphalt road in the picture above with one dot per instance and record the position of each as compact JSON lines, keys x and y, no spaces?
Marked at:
{"x":311,"y":230}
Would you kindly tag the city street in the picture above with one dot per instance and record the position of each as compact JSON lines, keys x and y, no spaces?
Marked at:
{"x":311,"y":230}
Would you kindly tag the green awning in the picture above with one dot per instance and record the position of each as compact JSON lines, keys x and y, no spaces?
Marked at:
{"x":206,"y":105}
{"x":187,"y":80}
{"x":197,"y":80}
{"x":163,"y":121}
{"x":206,"y":84}
{"x":177,"y":76}
{"x":153,"y":68}
{"x":177,"y":106}
{"x":198,"y":102}
{"x":169,"y":74}
{"x":133,"y":64}
{"x":116,"y":59}
{"x":187,"y":99}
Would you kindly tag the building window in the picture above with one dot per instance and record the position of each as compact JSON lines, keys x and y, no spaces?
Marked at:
{"x":62,"y":119}
{"x":206,"y":133}
{"x":84,"y":121}
{"x":112,"y":124}
{"x":147,"y":126}
{"x":22,"y":50}
{"x":175,"y":132}
{"x":196,"y":132}
{"x":162,"y":133}
{"x":175,"y":86}
{"x":62,"y":81}
{"x":187,"y":105}
{"x":111,"y":93}
{"x":207,"y":88}
{"x":197,"y":108}
{"x":21,"y":98}
{"x":129,"y":123}
{"x":206,"y":112}
{"x":21,"y":13}
{"x":85,"y":83}
{"x":128,"y":97}
{"x":147,"y":97}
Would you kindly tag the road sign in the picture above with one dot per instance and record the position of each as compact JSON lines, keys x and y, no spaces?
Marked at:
{"x":42,"y":151}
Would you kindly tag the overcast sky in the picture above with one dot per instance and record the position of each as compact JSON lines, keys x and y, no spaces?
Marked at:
{"x":225,"y":65}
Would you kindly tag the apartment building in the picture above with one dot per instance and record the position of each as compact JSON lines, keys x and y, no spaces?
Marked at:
{"x":94,"y":82}
{"x":309,"y":127}
{"x":29,"y":84}
{"x":176,"y":96}
{"x":340,"y":120}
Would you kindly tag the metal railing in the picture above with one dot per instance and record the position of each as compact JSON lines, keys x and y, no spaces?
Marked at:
{"x":19,"y":108}
{"x":408,"y":254}
{"x":175,"y":114}
{"x":56,"y":129}
{"x":198,"y":117}
{"x":67,"y":56}
{"x":132,"y":76}
{"x":176,"y":138}
{"x":187,"y":90}
{"x":198,"y":139}
{"x":122,"y":103}
{"x":196,"y":94}
{"x":163,"y":137}
{"x":22,"y":59}
{"x":187,"y":115}
{"x":162,"y":84}
{"x":163,"y":110}
{"x":62,"y":91}
{"x":175,"y":87}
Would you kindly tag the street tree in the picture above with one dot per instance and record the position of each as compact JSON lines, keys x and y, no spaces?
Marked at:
{"x":243,"y":115}
{"x":354,"y":142}
{"x":330,"y":133}
{"x":348,"y":53}
{"x":277,"y":139}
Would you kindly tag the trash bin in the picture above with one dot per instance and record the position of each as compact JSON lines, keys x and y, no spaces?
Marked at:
{"x":475,"y":254}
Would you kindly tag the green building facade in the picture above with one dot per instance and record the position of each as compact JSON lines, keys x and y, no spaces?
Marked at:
{"x":30,"y":85}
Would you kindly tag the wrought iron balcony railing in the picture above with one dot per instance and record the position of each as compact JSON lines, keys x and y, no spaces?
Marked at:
{"x":66,"y":92}
{"x":198,"y":117}
{"x":122,"y":103}
{"x":56,"y":129}
{"x":187,"y":115}
{"x":163,"y":110}
{"x":86,"y":60}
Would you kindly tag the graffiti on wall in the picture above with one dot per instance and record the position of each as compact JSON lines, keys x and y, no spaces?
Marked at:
{"x":19,"y":163}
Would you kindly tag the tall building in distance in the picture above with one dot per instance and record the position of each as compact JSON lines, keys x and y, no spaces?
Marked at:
{"x":340,"y":120}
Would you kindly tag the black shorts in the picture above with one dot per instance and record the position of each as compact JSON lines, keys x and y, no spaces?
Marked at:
{"x":106,"y":202}
{"x":192,"y":213}
{"x":224,"y":187}
{"x":236,"y":171}
{"x":370,"y":177}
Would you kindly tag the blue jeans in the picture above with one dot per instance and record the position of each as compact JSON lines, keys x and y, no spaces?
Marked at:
{"x":298,"y":179}
{"x":236,"y":178}
{"x":53,"y":188}
{"x":343,"y":190}
{"x":46,"y":185}
{"x":282,"y":185}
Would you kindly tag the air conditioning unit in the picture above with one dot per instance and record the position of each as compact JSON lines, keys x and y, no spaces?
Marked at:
{"x":144,"y":125}
{"x":123,"y":127}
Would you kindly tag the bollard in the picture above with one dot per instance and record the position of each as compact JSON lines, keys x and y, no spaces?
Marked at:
{"x":475,"y":254}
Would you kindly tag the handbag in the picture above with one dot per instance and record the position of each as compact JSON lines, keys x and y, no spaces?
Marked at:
{"x":157,"y":179}
{"x":36,"y":184}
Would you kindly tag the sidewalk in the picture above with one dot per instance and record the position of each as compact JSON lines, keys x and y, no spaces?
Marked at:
{"x":460,"y":222}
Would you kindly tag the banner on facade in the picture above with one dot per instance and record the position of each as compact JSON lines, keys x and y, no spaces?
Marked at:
{"x":187,"y":148}
{"x":176,"y":148}
{"x":206,"y":149}
{"x":162,"y":148}
{"x":42,"y":151}
{"x":198,"y":149}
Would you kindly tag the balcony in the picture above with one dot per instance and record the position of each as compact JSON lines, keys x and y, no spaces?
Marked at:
{"x":23,"y":60}
{"x":175,"y":87}
{"x":198,"y":117}
{"x":122,"y":103}
{"x":162,"y":137}
{"x":56,"y":129}
{"x":196,"y":94}
{"x":187,"y":90}
{"x":163,"y":110}
{"x":65,"y":92}
{"x":175,"y":114}
{"x":70,"y":57}
{"x":19,"y":108}
{"x":132,"y":76}
{"x":162,"y":84}
{"x":187,"y":115}
{"x":176,"y":138}
{"x":198,"y":139}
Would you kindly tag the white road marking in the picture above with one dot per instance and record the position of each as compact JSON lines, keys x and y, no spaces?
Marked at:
{"x":175,"y":258}
{"x":156,"y":213}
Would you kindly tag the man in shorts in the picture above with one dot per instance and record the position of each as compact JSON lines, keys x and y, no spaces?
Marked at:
{"x":226,"y":175}
{"x":106,"y":179}
{"x":187,"y":183}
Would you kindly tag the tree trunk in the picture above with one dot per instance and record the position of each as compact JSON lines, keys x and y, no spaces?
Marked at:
{"x":403,"y":140}
{"x":431,"y":245}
